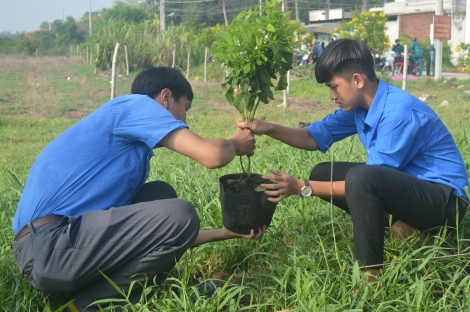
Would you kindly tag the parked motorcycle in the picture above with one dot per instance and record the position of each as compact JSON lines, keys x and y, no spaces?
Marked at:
{"x":300,"y":57}
{"x":413,"y":66}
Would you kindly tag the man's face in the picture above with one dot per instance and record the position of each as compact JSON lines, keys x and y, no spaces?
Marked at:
{"x":397,"y":42}
{"x":179,"y":108}
{"x":346,"y":94}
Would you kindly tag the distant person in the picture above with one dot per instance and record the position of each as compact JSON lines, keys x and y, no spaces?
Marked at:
{"x":398,"y":48}
{"x":316,"y":51}
{"x":414,"y":170}
{"x":322,"y":46}
{"x":86,"y":207}
{"x":417,"y":54}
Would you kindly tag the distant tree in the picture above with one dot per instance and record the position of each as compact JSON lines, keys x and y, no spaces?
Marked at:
{"x":44,"y":25}
{"x":10,"y":35}
{"x":129,"y":12}
{"x":68,"y":32}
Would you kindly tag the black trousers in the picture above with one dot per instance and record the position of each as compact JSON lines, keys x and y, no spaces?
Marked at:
{"x":371,"y":190}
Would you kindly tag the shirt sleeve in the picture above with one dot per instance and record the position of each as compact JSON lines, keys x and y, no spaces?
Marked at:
{"x":146,"y":121}
{"x":397,"y":142}
{"x":333,"y":128}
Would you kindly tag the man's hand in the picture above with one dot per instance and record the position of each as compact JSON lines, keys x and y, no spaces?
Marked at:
{"x":285,"y":187}
{"x":229,"y":234}
{"x":244,"y":142}
{"x":258,"y":127}
{"x":207,"y":236}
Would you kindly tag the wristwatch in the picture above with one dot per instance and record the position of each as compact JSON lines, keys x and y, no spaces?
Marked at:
{"x":306,"y":190}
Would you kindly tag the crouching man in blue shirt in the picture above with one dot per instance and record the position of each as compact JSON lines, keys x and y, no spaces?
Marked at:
{"x":85,"y":208}
{"x":414,"y":170}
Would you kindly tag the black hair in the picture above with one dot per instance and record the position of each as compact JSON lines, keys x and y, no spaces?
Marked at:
{"x":153,"y":80}
{"x":343,"y":58}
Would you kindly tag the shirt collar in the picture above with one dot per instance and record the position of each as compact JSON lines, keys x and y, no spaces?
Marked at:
{"x":377,"y":107}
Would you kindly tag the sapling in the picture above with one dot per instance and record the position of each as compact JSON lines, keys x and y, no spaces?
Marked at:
{"x":257,"y":49}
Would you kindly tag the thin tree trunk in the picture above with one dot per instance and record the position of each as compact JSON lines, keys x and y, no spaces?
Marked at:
{"x":205,"y":65}
{"x":225,"y":13}
{"x":162,"y":17}
{"x":187,"y":68}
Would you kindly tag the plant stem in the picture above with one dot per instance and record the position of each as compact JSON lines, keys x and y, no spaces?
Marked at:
{"x":251,"y":117}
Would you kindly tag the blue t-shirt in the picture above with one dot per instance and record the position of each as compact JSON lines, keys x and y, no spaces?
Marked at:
{"x":98,"y":163}
{"x":400,"y":132}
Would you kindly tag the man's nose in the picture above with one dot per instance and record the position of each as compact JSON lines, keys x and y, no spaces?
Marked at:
{"x":332,"y":95}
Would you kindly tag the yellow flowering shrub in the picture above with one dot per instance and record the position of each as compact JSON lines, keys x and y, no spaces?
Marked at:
{"x":368,"y":27}
{"x":464,"y":58}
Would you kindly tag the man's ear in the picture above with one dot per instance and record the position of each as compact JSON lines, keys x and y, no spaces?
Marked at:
{"x":164,"y":97}
{"x":358,"y":80}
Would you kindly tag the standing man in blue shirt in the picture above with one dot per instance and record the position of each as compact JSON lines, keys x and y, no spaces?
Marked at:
{"x":414,"y":170}
{"x":417,"y":54}
{"x":86,"y":208}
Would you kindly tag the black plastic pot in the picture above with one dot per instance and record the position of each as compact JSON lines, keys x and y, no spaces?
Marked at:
{"x":243,"y":212}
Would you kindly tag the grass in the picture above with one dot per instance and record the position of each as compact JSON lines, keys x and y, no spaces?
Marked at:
{"x":304,"y":263}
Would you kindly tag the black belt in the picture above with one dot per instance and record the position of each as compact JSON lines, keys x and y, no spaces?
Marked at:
{"x":37,"y":223}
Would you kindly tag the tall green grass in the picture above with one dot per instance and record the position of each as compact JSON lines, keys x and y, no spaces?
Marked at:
{"x":304,"y":262}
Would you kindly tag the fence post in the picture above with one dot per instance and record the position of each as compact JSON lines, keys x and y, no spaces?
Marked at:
{"x":187,"y":68}
{"x":174,"y":56}
{"x":91,"y":57}
{"x":113,"y":75}
{"x":285,"y":93}
{"x":127,"y":62}
{"x":405,"y":66}
{"x":205,"y":66}
{"x":86,"y":54}
{"x":36,"y":53}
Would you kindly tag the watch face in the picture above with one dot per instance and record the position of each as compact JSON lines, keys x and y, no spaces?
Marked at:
{"x":306,"y":191}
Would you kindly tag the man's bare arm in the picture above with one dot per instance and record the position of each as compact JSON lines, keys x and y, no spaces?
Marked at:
{"x":213,"y":153}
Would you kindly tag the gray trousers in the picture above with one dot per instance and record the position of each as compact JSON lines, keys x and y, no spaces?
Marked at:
{"x":146,"y":238}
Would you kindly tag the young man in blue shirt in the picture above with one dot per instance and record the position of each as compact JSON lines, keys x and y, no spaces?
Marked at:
{"x":86,"y":207}
{"x":414,"y":170}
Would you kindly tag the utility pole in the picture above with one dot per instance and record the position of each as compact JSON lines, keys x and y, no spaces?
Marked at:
{"x":327,"y":10}
{"x":50,"y":26}
{"x":89,"y":17}
{"x":438,"y":47}
{"x":63,"y":14}
{"x":364,"y":5}
{"x":162,"y":17}
{"x":260,"y":6}
{"x":296,"y":10}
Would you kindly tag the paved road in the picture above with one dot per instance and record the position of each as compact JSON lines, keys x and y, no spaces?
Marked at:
{"x":459,"y":76}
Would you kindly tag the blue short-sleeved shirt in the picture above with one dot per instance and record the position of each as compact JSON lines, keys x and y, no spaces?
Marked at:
{"x":98,"y":163}
{"x":401,"y":132}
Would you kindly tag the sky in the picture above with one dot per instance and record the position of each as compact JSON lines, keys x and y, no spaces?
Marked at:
{"x":27,"y":15}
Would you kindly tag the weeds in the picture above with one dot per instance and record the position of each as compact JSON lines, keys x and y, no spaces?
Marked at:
{"x":304,"y":262}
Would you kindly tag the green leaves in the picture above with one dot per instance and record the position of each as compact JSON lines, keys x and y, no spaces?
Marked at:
{"x":257,"y":50}
{"x":270,"y":28}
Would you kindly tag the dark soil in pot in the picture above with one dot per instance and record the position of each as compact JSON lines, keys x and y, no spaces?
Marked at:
{"x":244,"y":208}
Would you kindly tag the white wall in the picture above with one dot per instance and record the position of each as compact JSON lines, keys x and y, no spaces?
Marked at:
{"x":392,"y":32}
{"x":458,"y":34}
